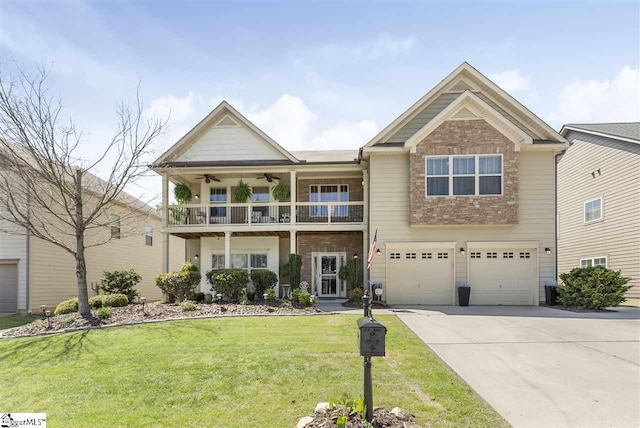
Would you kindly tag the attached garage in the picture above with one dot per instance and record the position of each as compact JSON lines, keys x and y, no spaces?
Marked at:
{"x":420,"y":273}
{"x":8,"y":287}
{"x":503,"y":275}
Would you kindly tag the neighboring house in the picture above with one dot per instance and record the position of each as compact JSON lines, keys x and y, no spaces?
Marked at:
{"x":34,"y":272}
{"x":599,"y":199}
{"x":462,"y":190}
{"x":324,"y":220}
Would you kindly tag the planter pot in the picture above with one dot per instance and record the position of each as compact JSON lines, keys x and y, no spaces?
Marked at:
{"x":463,"y":295}
{"x":551,"y":295}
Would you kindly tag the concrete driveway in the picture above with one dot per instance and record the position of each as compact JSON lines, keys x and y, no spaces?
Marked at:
{"x":541,"y":367}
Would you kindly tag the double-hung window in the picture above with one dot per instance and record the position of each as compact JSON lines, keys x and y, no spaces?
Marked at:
{"x":249,"y":261}
{"x":115,"y":226}
{"x":148,"y":234}
{"x":593,"y":261}
{"x":593,"y":210}
{"x":468,"y":175}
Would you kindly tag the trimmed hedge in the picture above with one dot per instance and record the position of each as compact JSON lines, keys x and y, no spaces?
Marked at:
{"x":303,"y":298}
{"x":121,"y":282}
{"x":228,"y":282}
{"x":263,"y":279}
{"x":181,"y":285}
{"x":108,"y":300}
{"x":67,"y":307}
{"x":592,"y":288}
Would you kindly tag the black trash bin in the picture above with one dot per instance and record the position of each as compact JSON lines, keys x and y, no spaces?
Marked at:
{"x":551,"y":295}
{"x":463,"y":295}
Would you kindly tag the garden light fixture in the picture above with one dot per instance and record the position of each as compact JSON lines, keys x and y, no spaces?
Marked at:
{"x":143,"y":300}
{"x":219,"y":296}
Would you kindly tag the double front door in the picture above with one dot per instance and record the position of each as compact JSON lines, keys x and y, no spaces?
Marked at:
{"x":326,"y":268}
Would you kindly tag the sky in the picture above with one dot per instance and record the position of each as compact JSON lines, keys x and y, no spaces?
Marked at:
{"x":320,"y":75}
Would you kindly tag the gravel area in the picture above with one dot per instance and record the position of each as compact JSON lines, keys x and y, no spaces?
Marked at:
{"x":156,"y":311}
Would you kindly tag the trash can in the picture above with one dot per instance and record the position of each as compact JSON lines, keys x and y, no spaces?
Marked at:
{"x":463,"y":295}
{"x":551,"y":295}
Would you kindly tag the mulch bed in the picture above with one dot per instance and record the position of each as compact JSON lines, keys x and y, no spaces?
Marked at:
{"x":382,"y":418}
{"x":157,"y":311}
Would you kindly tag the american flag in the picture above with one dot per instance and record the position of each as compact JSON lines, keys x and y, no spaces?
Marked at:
{"x":372,"y":249}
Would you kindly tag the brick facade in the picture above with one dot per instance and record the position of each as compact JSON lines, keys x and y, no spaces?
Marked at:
{"x":355,"y":187}
{"x":326,"y":242}
{"x":461,"y":137}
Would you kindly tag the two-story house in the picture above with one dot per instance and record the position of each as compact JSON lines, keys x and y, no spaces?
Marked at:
{"x":324,"y":219}
{"x":599,"y":199}
{"x":461,"y":188}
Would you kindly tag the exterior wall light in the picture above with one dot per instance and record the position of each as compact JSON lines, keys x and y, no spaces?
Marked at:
{"x":355,"y":255}
{"x":548,"y":251}
{"x":462,"y":251}
{"x":196,"y":257}
{"x":378,"y":252}
{"x":197,"y":197}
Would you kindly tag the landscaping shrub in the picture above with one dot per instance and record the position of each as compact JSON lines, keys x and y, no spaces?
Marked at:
{"x":271,"y":294}
{"x":302,"y":297}
{"x":356,"y":294}
{"x":287,"y":304}
{"x":67,"y":307}
{"x":351,"y":272}
{"x":95,"y":302}
{"x":263,"y":279}
{"x":292,"y":270}
{"x":181,"y":285}
{"x":198,"y":297}
{"x":208,"y":298}
{"x":121,"y":282}
{"x":103,"y":313}
{"x":592,"y":288}
{"x":114,"y":300}
{"x":228,"y":282}
{"x":188,"y":305}
{"x":189,"y":267}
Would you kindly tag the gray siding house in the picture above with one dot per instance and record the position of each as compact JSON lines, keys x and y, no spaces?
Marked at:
{"x":599,"y":199}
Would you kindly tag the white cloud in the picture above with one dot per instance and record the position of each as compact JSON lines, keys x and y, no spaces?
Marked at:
{"x":616,"y":100}
{"x":287,"y":121}
{"x":511,"y":80}
{"x":345,"y":137}
{"x":381,"y":46}
{"x":176,"y":108}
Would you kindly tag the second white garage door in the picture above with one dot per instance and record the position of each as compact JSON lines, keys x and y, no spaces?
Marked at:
{"x":420,"y":277}
{"x":502,"y":276}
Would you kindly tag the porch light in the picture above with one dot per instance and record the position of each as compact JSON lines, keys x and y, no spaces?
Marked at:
{"x":378,"y":252}
{"x":462,"y":251}
{"x":195,"y":257}
{"x":197,"y":197}
{"x":355,"y":255}
{"x":548,"y":251}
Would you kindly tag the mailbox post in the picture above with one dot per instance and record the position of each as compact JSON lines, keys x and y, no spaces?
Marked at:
{"x":372,"y":344}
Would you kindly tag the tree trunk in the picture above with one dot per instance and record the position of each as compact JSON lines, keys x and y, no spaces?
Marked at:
{"x":81,"y":265}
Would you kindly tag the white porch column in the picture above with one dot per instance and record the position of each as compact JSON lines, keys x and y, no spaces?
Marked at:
{"x":365,"y":252}
{"x":292,"y":242}
{"x":227,"y":250}
{"x":165,"y":217}
{"x":366,"y":231}
{"x":294,"y":197}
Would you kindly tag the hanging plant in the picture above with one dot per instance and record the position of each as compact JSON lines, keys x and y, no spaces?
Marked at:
{"x":282,"y":192}
{"x":182,"y":193}
{"x":242,"y":192}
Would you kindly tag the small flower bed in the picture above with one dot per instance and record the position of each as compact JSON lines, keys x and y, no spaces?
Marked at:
{"x":156,"y":311}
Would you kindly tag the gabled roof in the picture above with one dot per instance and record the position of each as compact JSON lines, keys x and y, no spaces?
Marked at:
{"x":465,"y":78}
{"x":625,"y":131}
{"x":466,"y":106}
{"x":218,"y":114}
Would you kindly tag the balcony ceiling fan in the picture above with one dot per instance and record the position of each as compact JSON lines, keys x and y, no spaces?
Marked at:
{"x":269,"y":177}
{"x":208,"y":178}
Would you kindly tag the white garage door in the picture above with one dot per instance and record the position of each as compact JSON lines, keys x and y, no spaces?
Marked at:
{"x":8,"y":288}
{"x":422,"y":277}
{"x":502,"y":276}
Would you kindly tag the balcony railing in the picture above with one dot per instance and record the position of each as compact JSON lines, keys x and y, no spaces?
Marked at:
{"x":265,"y":213}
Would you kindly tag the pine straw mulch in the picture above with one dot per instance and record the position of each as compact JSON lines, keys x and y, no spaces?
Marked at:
{"x":157,"y":311}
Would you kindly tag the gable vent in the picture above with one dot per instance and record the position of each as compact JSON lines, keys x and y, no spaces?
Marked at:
{"x":464,"y":113}
{"x":227,"y":121}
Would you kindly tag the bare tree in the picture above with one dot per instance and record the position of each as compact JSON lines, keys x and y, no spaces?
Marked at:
{"x":48,"y":190}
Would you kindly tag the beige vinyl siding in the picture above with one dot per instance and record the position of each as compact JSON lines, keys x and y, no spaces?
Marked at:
{"x":618,"y":236}
{"x":229,"y":143}
{"x":14,"y":246}
{"x":423,"y":118}
{"x":53,"y":277}
{"x":390,"y":213}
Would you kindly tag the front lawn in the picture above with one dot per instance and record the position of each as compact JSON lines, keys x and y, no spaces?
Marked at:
{"x":233,"y":372}
{"x":11,"y":321}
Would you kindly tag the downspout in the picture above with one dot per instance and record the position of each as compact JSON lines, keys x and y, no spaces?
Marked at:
{"x":28,"y":257}
{"x":556,"y":229}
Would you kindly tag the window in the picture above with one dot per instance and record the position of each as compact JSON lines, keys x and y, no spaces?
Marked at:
{"x":427,"y":255}
{"x":115,"y":226}
{"x":329,"y":193}
{"x":594,"y":261}
{"x":260,"y":194}
{"x":471,"y":175}
{"x":492,"y":255}
{"x":217,"y":261}
{"x":218,"y":194}
{"x":148,"y":235}
{"x":526,"y":255}
{"x":258,"y":261}
{"x":410,"y":256}
{"x":507,"y":255}
{"x":394,"y":255}
{"x":443,"y":255}
{"x":593,"y":210}
{"x":476,"y":255}
{"x":248,"y":261}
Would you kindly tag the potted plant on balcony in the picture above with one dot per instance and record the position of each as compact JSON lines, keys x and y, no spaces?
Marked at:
{"x":182,"y":193}
{"x":281,"y":192}
{"x":242,"y":192}
{"x":464,"y":291}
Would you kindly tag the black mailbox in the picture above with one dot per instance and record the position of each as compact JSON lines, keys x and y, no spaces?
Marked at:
{"x":372,"y":335}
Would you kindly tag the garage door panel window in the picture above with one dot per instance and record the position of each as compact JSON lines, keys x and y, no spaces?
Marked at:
{"x":492,"y":255}
{"x":594,"y":261}
{"x":427,"y":255}
{"x":469,"y":175}
{"x":394,"y":256}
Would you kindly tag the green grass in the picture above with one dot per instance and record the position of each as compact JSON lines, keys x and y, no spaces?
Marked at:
{"x":233,"y":372}
{"x":10,"y":321}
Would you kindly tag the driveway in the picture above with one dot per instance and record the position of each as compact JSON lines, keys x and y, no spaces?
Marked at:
{"x":541,"y":367}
